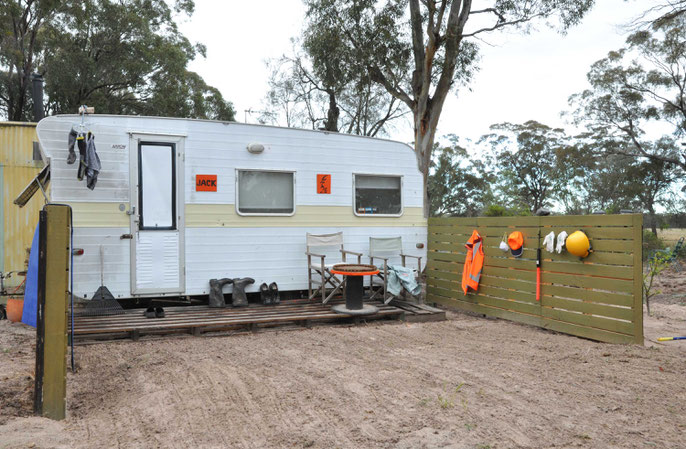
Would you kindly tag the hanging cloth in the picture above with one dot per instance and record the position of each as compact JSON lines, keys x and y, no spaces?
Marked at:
{"x":549,"y":242}
{"x":474,"y":262}
{"x":92,"y":162}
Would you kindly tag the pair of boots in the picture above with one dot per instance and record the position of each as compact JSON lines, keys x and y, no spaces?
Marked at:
{"x":269,"y":293}
{"x":238,"y":297}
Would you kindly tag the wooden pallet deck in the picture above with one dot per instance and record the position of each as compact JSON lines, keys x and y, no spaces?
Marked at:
{"x":197,"y":320}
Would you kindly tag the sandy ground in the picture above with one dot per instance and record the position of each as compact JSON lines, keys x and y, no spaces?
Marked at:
{"x":468,"y":382}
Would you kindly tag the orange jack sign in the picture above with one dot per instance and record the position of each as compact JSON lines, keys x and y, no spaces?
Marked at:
{"x":205,"y":183}
{"x":323,"y":183}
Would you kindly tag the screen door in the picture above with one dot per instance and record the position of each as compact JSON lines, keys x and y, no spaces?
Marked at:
{"x":157,"y":241}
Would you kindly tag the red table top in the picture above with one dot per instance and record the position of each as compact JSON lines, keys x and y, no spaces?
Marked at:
{"x":354,"y":269}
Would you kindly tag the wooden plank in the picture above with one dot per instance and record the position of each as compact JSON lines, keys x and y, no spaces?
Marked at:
{"x":54,"y":394}
{"x":587,"y":220}
{"x":621,"y":327}
{"x":515,"y":284}
{"x":546,"y":323}
{"x":588,"y":269}
{"x":575,"y":305}
{"x":226,"y":321}
{"x":480,"y":298}
{"x":183,"y":320}
{"x":489,"y":290}
{"x":588,"y":295}
{"x":599,"y":283}
{"x":638,"y":279}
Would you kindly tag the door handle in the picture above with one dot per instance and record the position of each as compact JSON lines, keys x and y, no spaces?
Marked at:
{"x":126,"y":236}
{"x":131,"y":211}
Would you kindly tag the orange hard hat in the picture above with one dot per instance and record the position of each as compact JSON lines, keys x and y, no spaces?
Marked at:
{"x":516,"y":243}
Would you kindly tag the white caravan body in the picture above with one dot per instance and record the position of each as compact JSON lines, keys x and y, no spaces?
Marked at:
{"x":156,"y":225}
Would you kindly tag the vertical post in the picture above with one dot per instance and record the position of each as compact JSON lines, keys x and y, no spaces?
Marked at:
{"x":50,"y":394}
{"x":637,"y":223}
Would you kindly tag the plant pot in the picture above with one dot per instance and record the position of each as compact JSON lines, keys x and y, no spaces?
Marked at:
{"x":15,"y":308}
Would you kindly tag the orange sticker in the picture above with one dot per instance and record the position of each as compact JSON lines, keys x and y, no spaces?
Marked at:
{"x":323,"y":183}
{"x":205,"y":183}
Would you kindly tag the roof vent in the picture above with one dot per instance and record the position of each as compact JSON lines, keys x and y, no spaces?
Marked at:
{"x":255,"y":148}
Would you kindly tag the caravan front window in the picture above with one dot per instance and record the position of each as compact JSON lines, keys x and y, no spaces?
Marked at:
{"x":378,"y":195}
{"x":265,"y":192}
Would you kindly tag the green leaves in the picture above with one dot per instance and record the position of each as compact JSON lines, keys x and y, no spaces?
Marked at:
{"x":122,"y":57}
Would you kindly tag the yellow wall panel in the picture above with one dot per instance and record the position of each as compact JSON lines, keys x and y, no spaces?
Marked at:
{"x":17,"y":169}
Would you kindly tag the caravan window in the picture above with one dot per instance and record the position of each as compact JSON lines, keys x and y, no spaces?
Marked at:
{"x":265,"y":192}
{"x":378,"y":195}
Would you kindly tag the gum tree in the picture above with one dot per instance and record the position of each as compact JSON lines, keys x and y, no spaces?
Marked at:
{"x":420,"y":50}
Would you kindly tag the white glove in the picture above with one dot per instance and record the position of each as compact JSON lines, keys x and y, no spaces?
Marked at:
{"x":549,"y":242}
{"x":561,"y":239}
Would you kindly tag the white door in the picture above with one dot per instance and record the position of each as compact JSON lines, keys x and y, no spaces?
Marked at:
{"x":157,"y":247}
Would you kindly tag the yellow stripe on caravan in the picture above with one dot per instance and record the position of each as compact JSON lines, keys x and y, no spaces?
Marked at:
{"x":109,"y":215}
{"x":224,"y":215}
{"x":100,"y":215}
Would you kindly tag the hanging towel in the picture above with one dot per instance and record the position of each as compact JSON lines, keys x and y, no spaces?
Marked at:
{"x":71,"y":142}
{"x":81,"y":144}
{"x":473,"y":263}
{"x":561,"y":238}
{"x":92,"y":162}
{"x":400,"y":277}
{"x":549,"y":242}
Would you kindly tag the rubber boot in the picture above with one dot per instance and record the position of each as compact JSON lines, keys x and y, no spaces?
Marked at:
{"x":216,"y":294}
{"x":238,"y":297}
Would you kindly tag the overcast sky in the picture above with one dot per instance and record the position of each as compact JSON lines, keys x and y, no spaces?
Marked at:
{"x":522,"y":77}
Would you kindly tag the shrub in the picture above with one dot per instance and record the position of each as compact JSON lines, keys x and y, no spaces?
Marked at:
{"x":651,"y":243}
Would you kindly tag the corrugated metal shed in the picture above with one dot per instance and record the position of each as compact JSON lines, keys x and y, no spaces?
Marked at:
{"x":17,"y":169}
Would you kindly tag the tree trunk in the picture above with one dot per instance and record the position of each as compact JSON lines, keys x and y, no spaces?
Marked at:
{"x":653,"y":220}
{"x":423,"y":144}
{"x":333,"y":113}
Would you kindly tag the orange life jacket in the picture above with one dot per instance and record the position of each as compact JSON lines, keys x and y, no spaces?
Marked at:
{"x":473,"y":263}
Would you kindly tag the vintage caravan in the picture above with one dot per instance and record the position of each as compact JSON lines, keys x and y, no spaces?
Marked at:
{"x":178,"y":202}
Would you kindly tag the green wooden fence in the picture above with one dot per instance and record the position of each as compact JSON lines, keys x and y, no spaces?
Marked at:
{"x":599,"y":297}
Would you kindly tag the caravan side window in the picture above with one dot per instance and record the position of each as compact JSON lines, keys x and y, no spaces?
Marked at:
{"x":378,"y":195}
{"x":262,"y":192}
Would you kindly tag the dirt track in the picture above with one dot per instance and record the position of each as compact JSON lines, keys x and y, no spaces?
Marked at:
{"x":465,"y":383}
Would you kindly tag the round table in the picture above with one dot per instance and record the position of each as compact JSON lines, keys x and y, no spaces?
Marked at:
{"x":354,"y":274}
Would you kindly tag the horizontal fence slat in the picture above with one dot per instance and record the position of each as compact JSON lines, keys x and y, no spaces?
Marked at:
{"x":588,"y":295}
{"x":558,"y":326}
{"x":495,"y":301}
{"x":620,"y":313}
{"x":516,"y":284}
{"x":622,"y":327}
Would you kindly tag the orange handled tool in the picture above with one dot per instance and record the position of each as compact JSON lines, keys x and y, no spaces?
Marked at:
{"x":538,"y":268}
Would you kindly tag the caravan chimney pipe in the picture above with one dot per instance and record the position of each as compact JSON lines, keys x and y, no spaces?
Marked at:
{"x":37,"y":87}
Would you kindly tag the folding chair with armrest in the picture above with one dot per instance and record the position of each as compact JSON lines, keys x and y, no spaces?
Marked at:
{"x":384,"y":248}
{"x":320,"y":271}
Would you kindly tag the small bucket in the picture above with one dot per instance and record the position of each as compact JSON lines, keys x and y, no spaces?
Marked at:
{"x":15,"y":309}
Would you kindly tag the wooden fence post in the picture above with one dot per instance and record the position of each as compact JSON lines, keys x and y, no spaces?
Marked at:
{"x":638,"y":278}
{"x":50,"y":393}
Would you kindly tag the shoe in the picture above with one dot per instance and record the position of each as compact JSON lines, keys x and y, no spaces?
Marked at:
{"x":150,"y":312}
{"x":265,"y":294}
{"x":274,"y":290}
{"x":159,"y":312}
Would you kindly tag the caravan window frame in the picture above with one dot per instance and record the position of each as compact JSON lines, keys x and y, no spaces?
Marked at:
{"x":385,"y":175}
{"x":263,"y":214}
{"x":141,"y":225}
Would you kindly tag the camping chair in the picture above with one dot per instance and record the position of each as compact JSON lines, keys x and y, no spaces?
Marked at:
{"x":320,"y":271}
{"x":384,"y":248}
{"x":675,"y":254}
